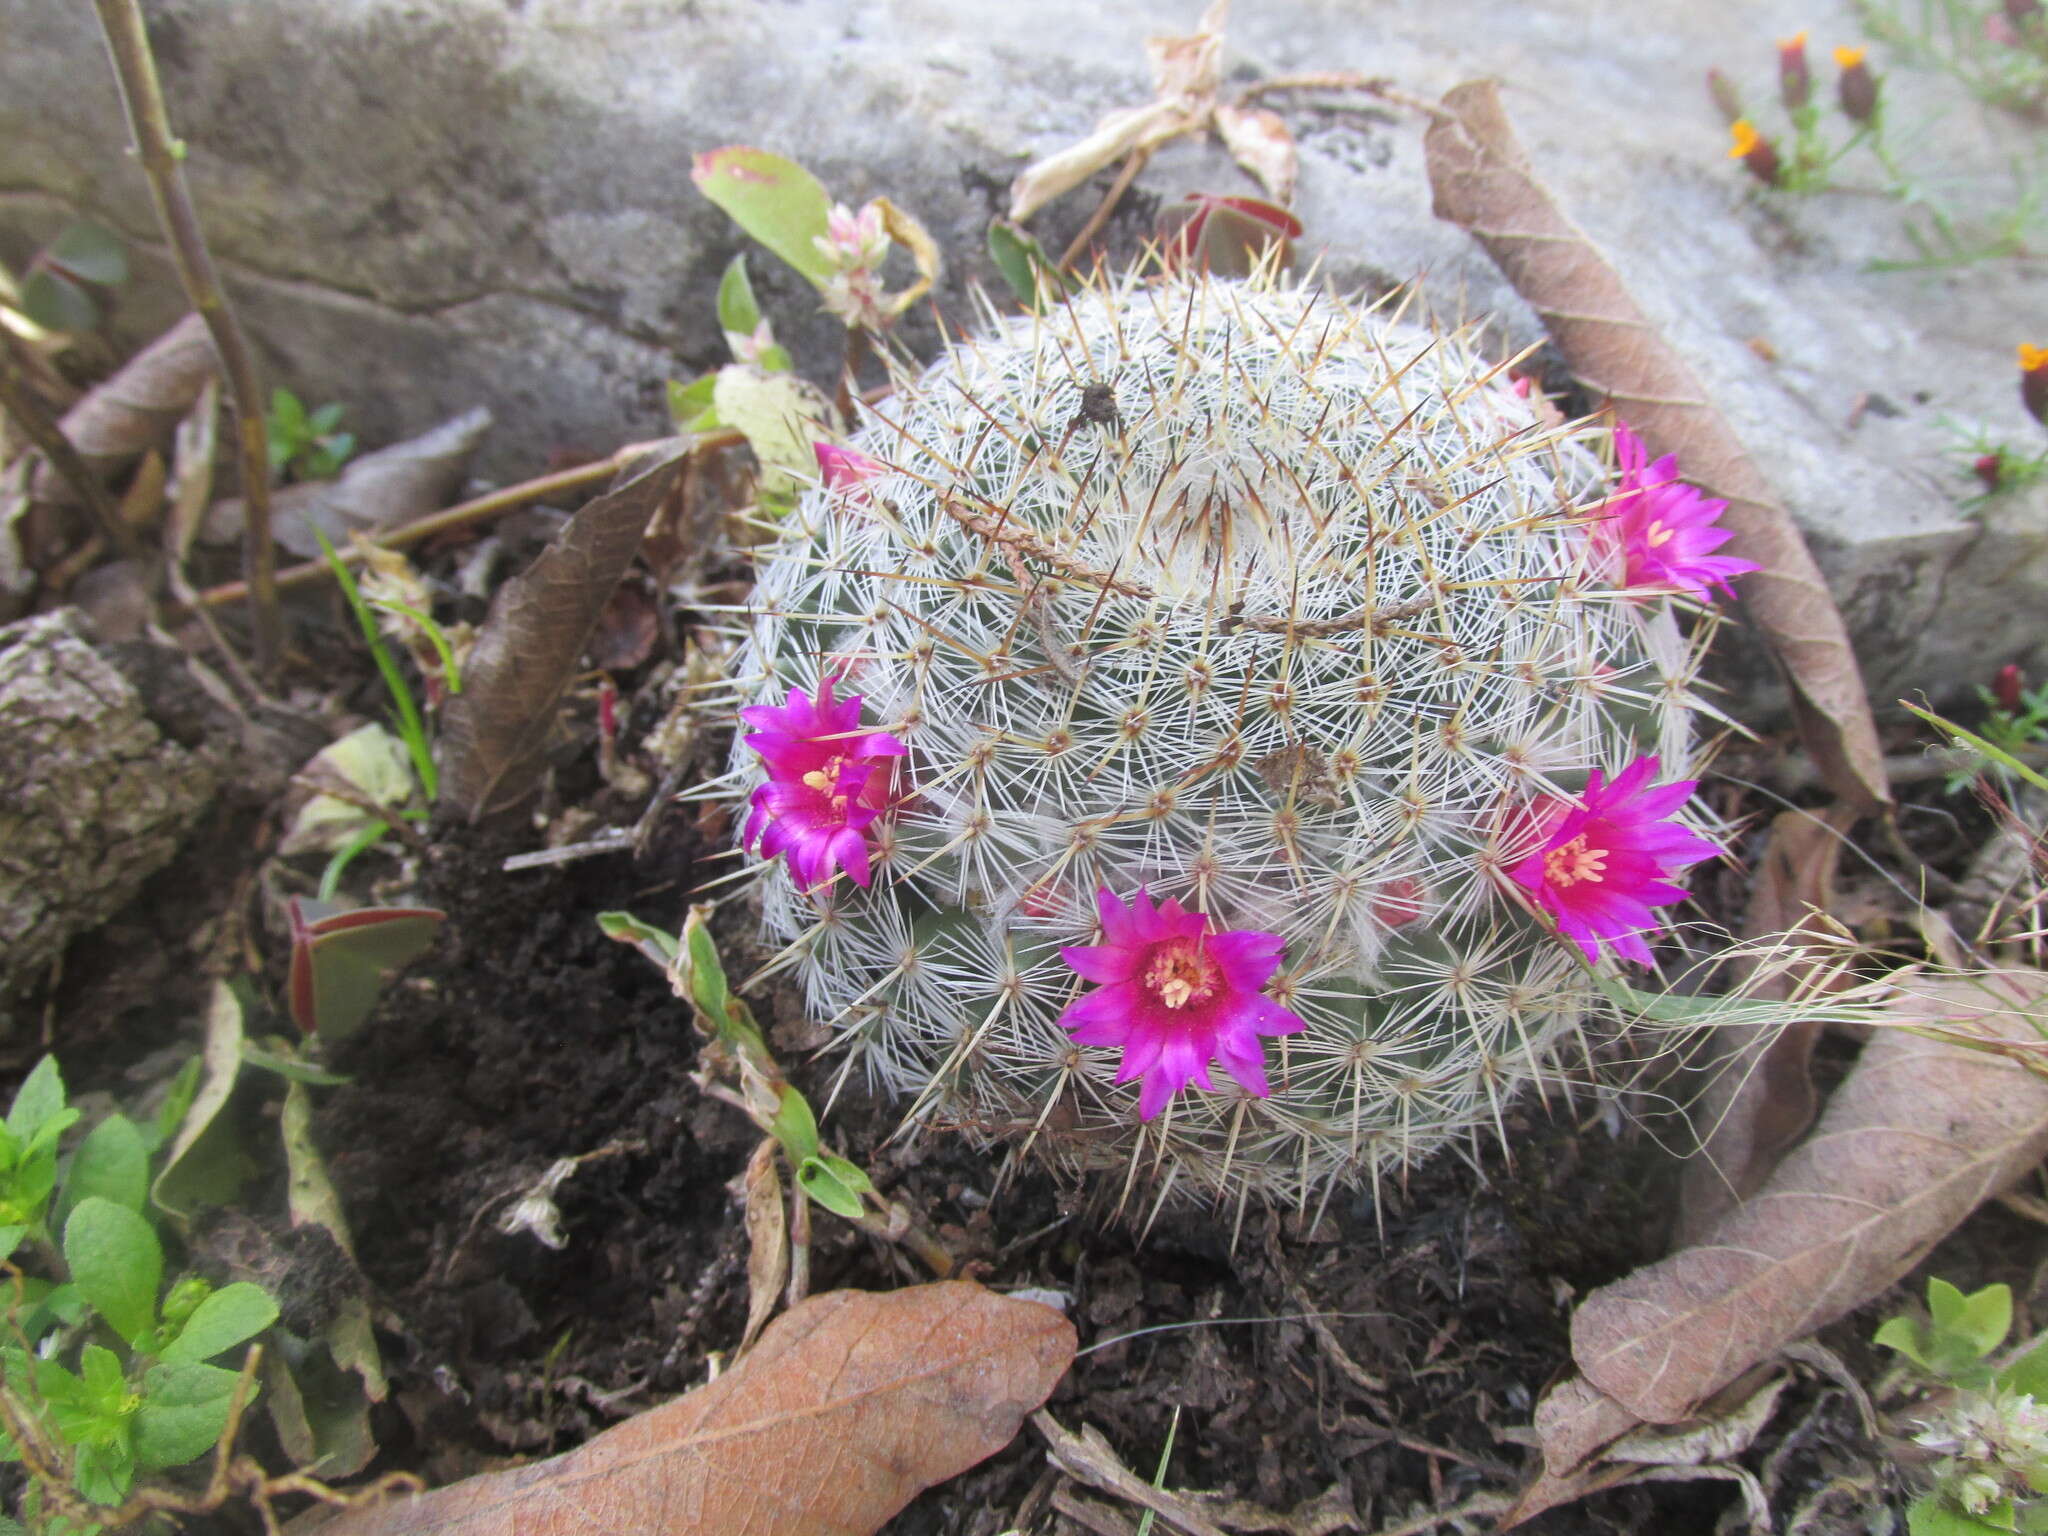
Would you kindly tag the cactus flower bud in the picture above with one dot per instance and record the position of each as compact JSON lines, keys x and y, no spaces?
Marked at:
{"x":1726,"y":98}
{"x":1856,"y":89}
{"x":2034,"y":381}
{"x":1795,"y":80}
{"x":1756,"y":152}
{"x":2007,"y":688}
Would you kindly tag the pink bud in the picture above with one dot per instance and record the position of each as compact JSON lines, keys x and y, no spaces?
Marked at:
{"x":842,"y":468}
{"x":2007,"y":688}
{"x":1988,"y":467}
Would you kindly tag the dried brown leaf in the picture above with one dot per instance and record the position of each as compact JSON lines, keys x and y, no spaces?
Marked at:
{"x":494,"y":731}
{"x":1761,"y":1098}
{"x":1917,"y":1135}
{"x":1575,"y":1419}
{"x":1186,"y":72}
{"x":379,"y":490}
{"x":767,"y":1238}
{"x":138,"y":408}
{"x":1483,"y":182}
{"x":850,"y":1405}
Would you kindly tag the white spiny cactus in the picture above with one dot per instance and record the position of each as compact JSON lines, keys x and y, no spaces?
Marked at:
{"x":1240,"y":595}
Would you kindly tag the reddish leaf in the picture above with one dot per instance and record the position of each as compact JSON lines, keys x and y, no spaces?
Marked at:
{"x":341,"y":960}
{"x":848,"y":1407}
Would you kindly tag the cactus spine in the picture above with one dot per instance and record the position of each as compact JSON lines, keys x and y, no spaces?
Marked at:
{"x":1241,"y":595}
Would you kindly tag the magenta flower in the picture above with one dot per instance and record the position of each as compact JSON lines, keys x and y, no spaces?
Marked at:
{"x":827,"y":782}
{"x":1604,"y":861}
{"x":842,"y":468}
{"x":1176,"y":997}
{"x":1660,"y":531}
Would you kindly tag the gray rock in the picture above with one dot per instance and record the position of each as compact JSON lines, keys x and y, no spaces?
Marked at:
{"x":434,"y":205}
{"x":94,"y":796}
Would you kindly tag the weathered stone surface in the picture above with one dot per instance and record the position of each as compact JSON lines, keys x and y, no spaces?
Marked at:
{"x":436,"y":204}
{"x":94,"y":797}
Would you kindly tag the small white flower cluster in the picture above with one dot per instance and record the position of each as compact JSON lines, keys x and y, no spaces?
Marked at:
{"x":1239,"y":594}
{"x":1994,"y":1447}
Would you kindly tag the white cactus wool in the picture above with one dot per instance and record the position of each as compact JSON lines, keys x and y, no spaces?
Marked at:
{"x":1236,"y":594}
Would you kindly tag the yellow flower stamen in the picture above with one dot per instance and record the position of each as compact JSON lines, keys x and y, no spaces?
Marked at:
{"x":1848,"y":58}
{"x":1744,"y":134}
{"x":1180,"y":974}
{"x":1569,"y":863}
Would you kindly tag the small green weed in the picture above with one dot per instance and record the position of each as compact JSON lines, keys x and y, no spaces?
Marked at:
{"x":1987,"y":1424}
{"x":307,"y":445}
{"x":107,"y":1376}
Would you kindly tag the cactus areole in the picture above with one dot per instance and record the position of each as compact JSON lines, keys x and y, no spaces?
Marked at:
{"x":1240,"y":724}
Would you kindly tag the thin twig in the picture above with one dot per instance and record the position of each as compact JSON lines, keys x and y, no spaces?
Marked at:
{"x":1342,"y":80}
{"x":457,"y":517}
{"x":162,"y":159}
{"x":20,"y":403}
{"x":1134,"y":162}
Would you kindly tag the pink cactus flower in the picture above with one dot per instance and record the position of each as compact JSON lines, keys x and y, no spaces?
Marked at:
{"x":842,"y":468}
{"x":827,"y":782}
{"x":1657,"y":531}
{"x":1605,"y":860}
{"x":1176,"y":997}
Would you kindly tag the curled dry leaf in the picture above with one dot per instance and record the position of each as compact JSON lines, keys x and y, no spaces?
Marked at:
{"x":495,"y":731}
{"x":1186,"y":72}
{"x":138,"y":408}
{"x":1761,"y":1098}
{"x":767,"y":1238}
{"x":848,"y":1407}
{"x":1483,"y":182}
{"x":1918,"y":1134}
{"x":376,"y":491}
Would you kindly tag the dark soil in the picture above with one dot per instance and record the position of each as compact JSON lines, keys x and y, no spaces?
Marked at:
{"x":529,"y":1037}
{"x":1378,"y":1360}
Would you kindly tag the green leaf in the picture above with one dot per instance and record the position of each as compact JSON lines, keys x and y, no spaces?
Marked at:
{"x":177,"y":1104}
{"x":38,"y":1101}
{"x":184,"y":1408}
{"x":324,"y":420}
{"x":777,"y":201}
{"x":690,"y":405}
{"x":90,"y":252}
{"x":103,"y":1473}
{"x":10,"y":1239}
{"x":795,"y":1127}
{"x":782,"y":417}
{"x":341,"y":961}
{"x":1933,"y":1515}
{"x":227,"y":1317}
{"x":773,"y":358}
{"x":288,"y":417}
{"x":56,"y":303}
{"x":823,"y":1185}
{"x":1907,"y":1337}
{"x":1032,"y":275}
{"x":656,"y":944}
{"x":850,"y":1174}
{"x":312,"y":1199}
{"x":705,"y":974}
{"x":291,"y":1067}
{"x":206,"y":1163}
{"x":117,"y":1263}
{"x":738,"y":311}
{"x":2028,"y":1374}
{"x":1978,"y":1322}
{"x":112,"y":1162}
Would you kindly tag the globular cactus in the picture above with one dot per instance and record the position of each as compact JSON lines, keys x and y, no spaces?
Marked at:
{"x":1228,"y":593}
